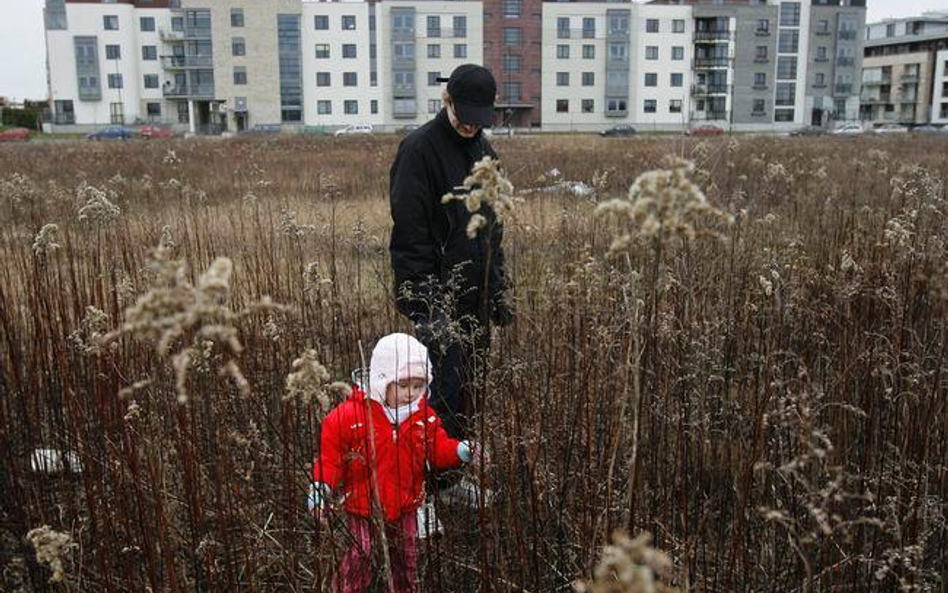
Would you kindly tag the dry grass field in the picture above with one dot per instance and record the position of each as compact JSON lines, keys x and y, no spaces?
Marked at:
{"x":763,"y":390}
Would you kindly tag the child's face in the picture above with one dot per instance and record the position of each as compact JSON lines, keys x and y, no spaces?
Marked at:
{"x":405,"y":391}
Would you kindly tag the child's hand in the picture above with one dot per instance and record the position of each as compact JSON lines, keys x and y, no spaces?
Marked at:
{"x":473,"y":453}
{"x":319,"y":499}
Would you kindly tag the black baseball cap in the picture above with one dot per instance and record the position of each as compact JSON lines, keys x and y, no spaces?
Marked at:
{"x":472,"y":88}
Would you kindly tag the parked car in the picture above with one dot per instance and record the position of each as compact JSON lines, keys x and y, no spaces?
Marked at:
{"x":929,"y":129}
{"x":14,"y":134}
{"x":110,"y":133}
{"x":848,"y":128}
{"x":623,"y":130}
{"x":705,"y":130}
{"x":152,"y":132}
{"x":889,"y":129}
{"x":354,"y":129}
{"x":809,"y":131}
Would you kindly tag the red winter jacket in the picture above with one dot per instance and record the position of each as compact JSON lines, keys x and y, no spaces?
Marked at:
{"x":400,"y":452}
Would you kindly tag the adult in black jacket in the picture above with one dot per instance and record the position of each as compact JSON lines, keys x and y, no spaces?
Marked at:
{"x":440,"y":271}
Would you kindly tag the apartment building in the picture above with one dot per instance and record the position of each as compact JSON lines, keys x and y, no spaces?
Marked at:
{"x":513,"y":52}
{"x":940,"y":92}
{"x":902,"y":69}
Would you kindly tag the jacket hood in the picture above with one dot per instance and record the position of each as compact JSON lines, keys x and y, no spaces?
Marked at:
{"x":396,"y":357}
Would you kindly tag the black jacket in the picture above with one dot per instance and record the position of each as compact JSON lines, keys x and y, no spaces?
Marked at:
{"x":429,"y":239}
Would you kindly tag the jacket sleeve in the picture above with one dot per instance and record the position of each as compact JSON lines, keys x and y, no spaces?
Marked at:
{"x":443,"y":450}
{"x":413,"y":249}
{"x":328,"y":466}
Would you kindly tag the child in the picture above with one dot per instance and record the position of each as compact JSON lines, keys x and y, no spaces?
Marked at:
{"x":406,"y":434}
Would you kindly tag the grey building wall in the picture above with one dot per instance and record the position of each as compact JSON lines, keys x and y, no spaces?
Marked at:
{"x":839,"y":63}
{"x":747,"y":65}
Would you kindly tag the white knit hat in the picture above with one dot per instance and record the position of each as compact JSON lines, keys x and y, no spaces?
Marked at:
{"x":396,"y":357}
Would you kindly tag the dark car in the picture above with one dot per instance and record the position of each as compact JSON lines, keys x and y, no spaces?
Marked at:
{"x":705,"y":130}
{"x":624,"y":130}
{"x":110,"y":133}
{"x":809,"y":131}
{"x":151,"y":132}
{"x":13,"y":134}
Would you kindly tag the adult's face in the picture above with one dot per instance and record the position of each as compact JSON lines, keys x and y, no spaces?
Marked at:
{"x":463,"y":130}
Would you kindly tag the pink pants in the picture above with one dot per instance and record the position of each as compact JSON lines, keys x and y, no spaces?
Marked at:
{"x":355,"y":572}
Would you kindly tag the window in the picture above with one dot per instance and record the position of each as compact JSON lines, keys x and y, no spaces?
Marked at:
{"x":786,"y":68}
{"x":651,"y":25}
{"x":153,"y":110}
{"x":238,"y":46}
{"x":110,"y":22}
{"x":677,"y":79}
{"x":821,"y":54}
{"x":350,"y":79}
{"x":512,"y":64}
{"x":512,"y":36}
{"x":760,"y":53}
{"x":562,"y":52}
{"x":236,"y":17}
{"x":786,"y":93}
{"x":789,"y":14}
{"x":322,"y":51}
{"x":350,"y":107}
{"x":115,"y":81}
{"x":678,"y":26}
{"x":403,"y":78}
{"x":434,"y":105}
{"x":146,"y":23}
{"x":651,"y":52}
{"x":674,"y":106}
{"x":373,"y":106}
{"x":562,"y":105}
{"x":789,"y":41}
{"x":678,"y":53}
{"x":113,"y":52}
{"x":513,"y":91}
{"x":184,"y":115}
{"x":819,"y":80}
{"x":589,"y":27}
{"x":460,"y":27}
{"x":434,"y":26}
{"x":403,"y":20}
{"x":149,"y":53}
{"x":589,"y":78}
{"x":823,"y":26}
{"x":324,"y":107}
{"x":588,"y":105}
{"x":890,"y":30}
{"x":433,"y":79}
{"x":512,"y":9}
{"x":116,"y":113}
{"x":651,"y":79}
{"x":348,"y":24}
{"x":434,"y":50}
{"x":763,"y":26}
{"x":321,"y":23}
{"x":619,"y":23}
{"x":322,"y":79}
{"x":562,"y":79}
{"x":760,"y":80}
{"x":650,"y":106}
{"x":589,"y":52}
{"x":151,"y":81}
{"x":460,"y":50}
{"x":783,"y":115}
{"x":616,"y":106}
{"x":373,"y":78}
{"x":348,"y":50}
{"x":618,"y":51}
{"x":758,"y":108}
{"x":562,"y":28}
{"x":240,"y":75}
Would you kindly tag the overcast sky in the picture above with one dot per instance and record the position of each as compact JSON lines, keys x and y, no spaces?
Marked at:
{"x":23,"y":47}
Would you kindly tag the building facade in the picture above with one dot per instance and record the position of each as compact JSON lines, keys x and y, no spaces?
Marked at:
{"x":234,"y":65}
{"x":903,"y":71}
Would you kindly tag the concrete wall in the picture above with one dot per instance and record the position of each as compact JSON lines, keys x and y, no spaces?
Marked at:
{"x":939,"y":107}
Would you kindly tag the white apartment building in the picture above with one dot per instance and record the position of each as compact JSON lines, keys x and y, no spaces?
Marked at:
{"x":940,"y":90}
{"x":104,"y":66}
{"x":608,"y":64}
{"x":340,"y":64}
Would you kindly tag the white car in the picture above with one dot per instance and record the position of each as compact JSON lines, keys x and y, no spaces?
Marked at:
{"x":890,"y":129}
{"x":849,"y":128}
{"x":354,"y":129}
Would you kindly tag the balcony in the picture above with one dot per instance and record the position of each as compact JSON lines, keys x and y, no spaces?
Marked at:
{"x":586,"y":34}
{"x":64,"y":119}
{"x":843,"y":89}
{"x":707,"y":63}
{"x":702,"y":90}
{"x":184,"y":62}
{"x":171,"y":35}
{"x":183,"y":91}
{"x":845,"y":62}
{"x":874,"y":99}
{"x":879,"y":82}
{"x":712,"y":36}
{"x":846,"y":36}
{"x":173,"y":91}
{"x":909,"y":78}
